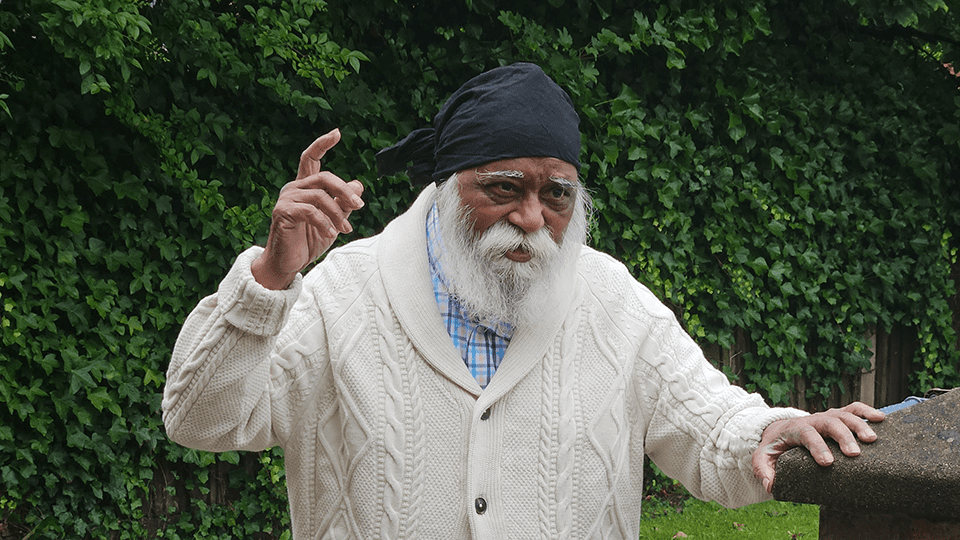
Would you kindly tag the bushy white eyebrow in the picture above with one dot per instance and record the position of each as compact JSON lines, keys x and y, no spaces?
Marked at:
{"x":503,"y":174}
{"x":564,"y":183}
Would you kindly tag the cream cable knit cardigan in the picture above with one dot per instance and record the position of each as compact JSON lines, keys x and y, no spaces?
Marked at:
{"x":387,"y":435}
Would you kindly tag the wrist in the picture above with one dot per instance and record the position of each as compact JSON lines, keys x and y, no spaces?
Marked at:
{"x":267,"y":277}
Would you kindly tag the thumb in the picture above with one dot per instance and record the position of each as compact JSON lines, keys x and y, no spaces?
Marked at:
{"x":763,"y":468}
{"x":767,"y":484}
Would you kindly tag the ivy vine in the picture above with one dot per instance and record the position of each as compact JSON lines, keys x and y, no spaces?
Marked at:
{"x":789,"y":170}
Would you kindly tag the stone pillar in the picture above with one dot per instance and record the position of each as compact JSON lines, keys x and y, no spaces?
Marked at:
{"x":906,"y":485}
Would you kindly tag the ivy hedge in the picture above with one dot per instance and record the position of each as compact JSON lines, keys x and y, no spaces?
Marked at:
{"x":789,"y":169}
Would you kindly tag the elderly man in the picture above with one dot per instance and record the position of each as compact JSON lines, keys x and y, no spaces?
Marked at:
{"x":474,"y":371}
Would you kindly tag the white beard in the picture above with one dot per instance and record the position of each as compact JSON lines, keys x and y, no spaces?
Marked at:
{"x":490,"y":286}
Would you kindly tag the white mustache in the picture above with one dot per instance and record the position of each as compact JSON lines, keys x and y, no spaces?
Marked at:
{"x":502,"y":237}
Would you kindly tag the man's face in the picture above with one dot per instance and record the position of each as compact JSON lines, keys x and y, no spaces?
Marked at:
{"x":529,"y":193}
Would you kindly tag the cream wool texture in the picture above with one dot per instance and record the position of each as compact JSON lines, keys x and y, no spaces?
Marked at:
{"x":383,"y":428}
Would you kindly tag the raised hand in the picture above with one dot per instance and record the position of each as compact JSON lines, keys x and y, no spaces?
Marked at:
{"x":310,"y":213}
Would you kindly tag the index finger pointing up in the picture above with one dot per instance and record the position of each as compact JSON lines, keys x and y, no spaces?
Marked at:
{"x":310,"y":158}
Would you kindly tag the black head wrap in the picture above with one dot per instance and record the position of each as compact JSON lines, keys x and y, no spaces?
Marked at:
{"x":508,"y":112}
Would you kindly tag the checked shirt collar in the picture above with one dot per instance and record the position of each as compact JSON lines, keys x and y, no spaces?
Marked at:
{"x":482,"y":344}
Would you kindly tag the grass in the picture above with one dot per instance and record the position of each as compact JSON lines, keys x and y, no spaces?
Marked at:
{"x":686,"y":517}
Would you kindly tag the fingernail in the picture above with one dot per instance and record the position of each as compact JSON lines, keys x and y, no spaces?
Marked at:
{"x":357,"y":201}
{"x":766,"y":485}
{"x":347,"y":227}
{"x":332,"y":232}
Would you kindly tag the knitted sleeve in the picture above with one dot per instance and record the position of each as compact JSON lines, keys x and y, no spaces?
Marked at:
{"x":217,"y":395}
{"x":700,"y":429}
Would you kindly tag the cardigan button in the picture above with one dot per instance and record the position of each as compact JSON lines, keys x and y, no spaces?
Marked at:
{"x":486,"y":414}
{"x":480,"y":505}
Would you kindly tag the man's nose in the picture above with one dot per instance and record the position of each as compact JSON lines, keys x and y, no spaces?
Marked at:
{"x":528,"y":215}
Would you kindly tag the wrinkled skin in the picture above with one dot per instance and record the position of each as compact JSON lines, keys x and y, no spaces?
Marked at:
{"x":844,"y":425}
{"x":309,"y":215}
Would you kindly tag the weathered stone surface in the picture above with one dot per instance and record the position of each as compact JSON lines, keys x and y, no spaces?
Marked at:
{"x":913,"y":469}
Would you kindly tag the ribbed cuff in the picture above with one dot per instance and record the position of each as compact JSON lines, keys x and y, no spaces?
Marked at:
{"x":251,"y":307}
{"x":755,"y":434}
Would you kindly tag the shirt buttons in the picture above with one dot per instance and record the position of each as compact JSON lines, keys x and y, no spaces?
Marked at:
{"x":486,"y":414}
{"x":480,"y":505}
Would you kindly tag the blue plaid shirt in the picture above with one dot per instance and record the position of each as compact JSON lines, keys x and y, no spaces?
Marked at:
{"x":481,"y":344}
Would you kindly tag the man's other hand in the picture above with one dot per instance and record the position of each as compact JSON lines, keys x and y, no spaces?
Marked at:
{"x":843,"y":425}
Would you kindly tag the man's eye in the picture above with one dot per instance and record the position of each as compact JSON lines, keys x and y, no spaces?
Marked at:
{"x":560,"y":194}
{"x":503,"y":188}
